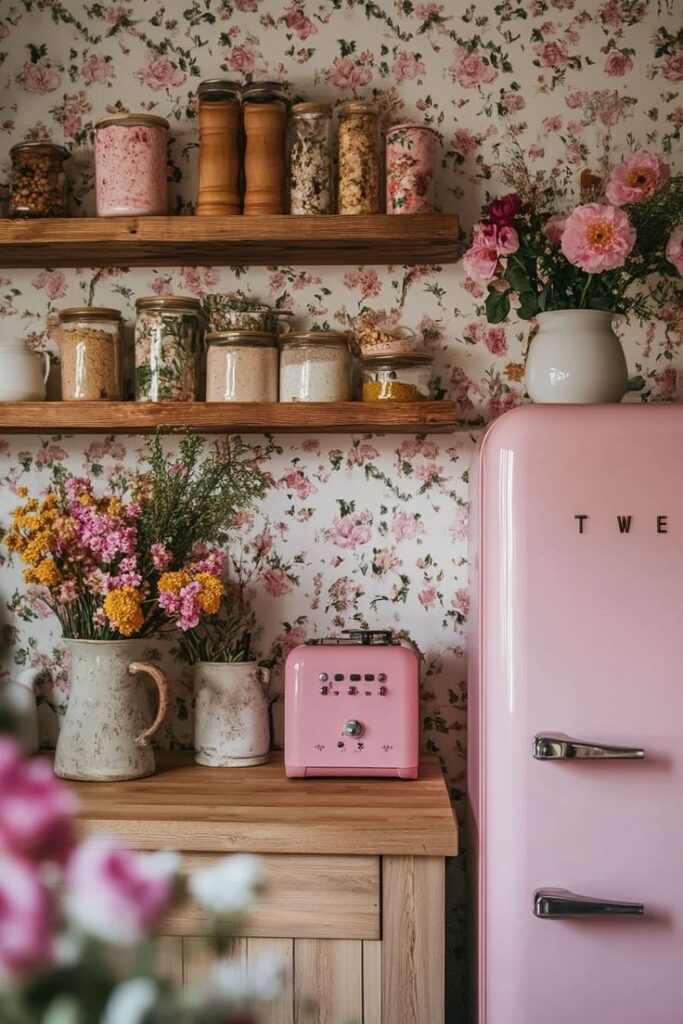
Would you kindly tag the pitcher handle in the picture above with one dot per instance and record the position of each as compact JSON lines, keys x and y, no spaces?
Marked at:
{"x":161,"y":681}
{"x":46,"y":362}
{"x":264,"y":676}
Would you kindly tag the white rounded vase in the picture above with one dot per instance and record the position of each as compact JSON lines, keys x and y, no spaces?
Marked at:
{"x":231,"y":726}
{"x":577,"y":357}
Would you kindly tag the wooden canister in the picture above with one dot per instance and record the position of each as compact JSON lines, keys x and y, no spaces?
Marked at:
{"x":219,"y":149}
{"x":265,"y":165}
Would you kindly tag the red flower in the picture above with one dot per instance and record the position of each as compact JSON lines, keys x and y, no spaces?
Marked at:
{"x":503,"y":211}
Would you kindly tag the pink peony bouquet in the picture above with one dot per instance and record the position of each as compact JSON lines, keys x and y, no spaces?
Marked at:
{"x":67,"y":907}
{"x":619,"y":249}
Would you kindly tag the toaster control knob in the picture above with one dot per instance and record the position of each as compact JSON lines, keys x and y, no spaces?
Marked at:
{"x":382,"y":677}
{"x":353,"y":727}
{"x":382,"y":691}
{"x":323,"y":677}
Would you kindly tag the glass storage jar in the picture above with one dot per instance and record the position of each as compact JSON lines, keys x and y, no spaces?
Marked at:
{"x":315,"y":367}
{"x":168,"y":345}
{"x":358,"y":186}
{"x":130,"y":165}
{"x":220,"y":148}
{"x":310,"y":158}
{"x":398,"y":378}
{"x":410,"y":166}
{"x":89,"y":340}
{"x":241,"y":366}
{"x":38,"y":181}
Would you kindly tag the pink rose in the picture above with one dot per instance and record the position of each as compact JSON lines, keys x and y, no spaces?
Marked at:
{"x":38,"y":78}
{"x":618,"y":63}
{"x":36,"y":810}
{"x":116,"y":895}
{"x":160,"y":73}
{"x":672,"y":67}
{"x":113,"y":15}
{"x":552,"y":55}
{"x":461,"y":601}
{"x":405,"y":526}
{"x":366,"y":280}
{"x":504,"y":210}
{"x":407,"y":66}
{"x":96,"y":69}
{"x":554,"y":227}
{"x":298,"y":22}
{"x":674,"y":249}
{"x":464,"y":142}
{"x":508,"y":241}
{"x":495,"y":340}
{"x":276,"y":583}
{"x":636,"y":178}
{"x":53,"y":282}
{"x":349,"y":74}
{"x":349,"y":532}
{"x":469,"y":69}
{"x":427,"y":597}
{"x":25,"y":918}
{"x":242,"y":58}
{"x":597,"y":238}
{"x":297,"y":481}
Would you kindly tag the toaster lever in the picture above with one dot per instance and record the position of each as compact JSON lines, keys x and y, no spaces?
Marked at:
{"x":561,"y":748}
{"x":370,"y":636}
{"x":560,"y":903}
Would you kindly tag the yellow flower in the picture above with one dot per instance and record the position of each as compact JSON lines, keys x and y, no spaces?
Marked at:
{"x":22,"y":492}
{"x":14,"y":540}
{"x":114,"y":507}
{"x":85,"y":499}
{"x":514,"y":371}
{"x":122,"y":608}
{"x":212,"y":591}
{"x":39,"y":545}
{"x":47,"y":573}
{"x":173,"y":582}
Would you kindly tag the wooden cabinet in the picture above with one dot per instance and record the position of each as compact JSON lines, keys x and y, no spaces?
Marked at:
{"x":354,"y":873}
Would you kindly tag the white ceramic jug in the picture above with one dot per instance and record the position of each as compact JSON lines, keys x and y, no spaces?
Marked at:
{"x":231,"y":728}
{"x":19,"y":699}
{"x":23,"y":373}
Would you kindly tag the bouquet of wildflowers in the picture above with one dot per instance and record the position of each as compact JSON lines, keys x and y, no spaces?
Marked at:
{"x":126,"y":565}
{"x":69,"y":910}
{"x":619,"y":249}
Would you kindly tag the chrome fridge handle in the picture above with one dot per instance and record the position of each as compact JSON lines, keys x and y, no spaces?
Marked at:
{"x":556,"y":904}
{"x":561,"y":748}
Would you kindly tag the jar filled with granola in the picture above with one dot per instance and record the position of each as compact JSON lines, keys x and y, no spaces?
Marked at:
{"x":241,"y":366}
{"x":358,"y":158}
{"x":168,"y":346}
{"x":89,"y":340}
{"x":38,"y":183}
{"x":130,"y":165}
{"x":397,"y":378}
{"x":410,"y":162}
{"x":315,"y":367}
{"x":310,"y":159}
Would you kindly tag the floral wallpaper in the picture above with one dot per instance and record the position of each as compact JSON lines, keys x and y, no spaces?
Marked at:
{"x":354,"y":530}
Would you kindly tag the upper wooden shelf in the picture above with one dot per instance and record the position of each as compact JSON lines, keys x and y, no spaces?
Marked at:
{"x":227,"y":417}
{"x":228,"y":241}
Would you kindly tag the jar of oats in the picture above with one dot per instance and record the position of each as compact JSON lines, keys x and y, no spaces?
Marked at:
{"x":168,"y":345}
{"x":358,"y":158}
{"x":89,"y":340}
{"x":38,"y":182}
{"x":315,"y":367}
{"x":310,"y":159}
{"x":241,"y":366}
{"x":130,"y":165}
{"x":398,"y":378}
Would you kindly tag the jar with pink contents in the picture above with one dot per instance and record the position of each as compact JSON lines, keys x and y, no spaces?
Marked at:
{"x":130,"y":165}
{"x":411,"y":158}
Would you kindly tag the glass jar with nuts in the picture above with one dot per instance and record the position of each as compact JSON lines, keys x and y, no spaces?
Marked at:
{"x":397,"y":378}
{"x":358,"y":158}
{"x":310,"y":159}
{"x":38,"y":185}
{"x":89,"y":340}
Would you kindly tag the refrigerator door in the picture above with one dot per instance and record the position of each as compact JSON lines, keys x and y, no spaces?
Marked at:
{"x":577,"y":750}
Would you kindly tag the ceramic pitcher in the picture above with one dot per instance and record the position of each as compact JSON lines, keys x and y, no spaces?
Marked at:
{"x":231,"y":714}
{"x":106,"y":733}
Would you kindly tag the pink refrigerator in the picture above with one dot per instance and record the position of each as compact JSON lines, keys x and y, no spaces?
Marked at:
{"x":576,"y":716}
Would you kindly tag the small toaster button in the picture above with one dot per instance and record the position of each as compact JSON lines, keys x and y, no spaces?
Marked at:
{"x":369,"y":678}
{"x":339,"y":677}
{"x":351,"y":691}
{"x":323,"y":690}
{"x":382,"y":691}
{"x":355,"y":677}
{"x":340,"y":743}
{"x":323,"y":677}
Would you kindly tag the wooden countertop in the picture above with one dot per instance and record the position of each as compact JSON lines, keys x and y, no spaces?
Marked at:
{"x":187,"y":807}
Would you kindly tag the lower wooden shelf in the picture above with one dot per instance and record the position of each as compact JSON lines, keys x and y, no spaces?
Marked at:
{"x":227,"y":418}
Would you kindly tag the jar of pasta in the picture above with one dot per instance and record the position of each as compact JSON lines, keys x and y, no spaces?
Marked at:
{"x":38,"y":182}
{"x":315,"y":367}
{"x":168,"y":346}
{"x":410,"y":160}
{"x":241,"y":366}
{"x":398,"y":378}
{"x":89,"y":340}
{"x":358,"y":158}
{"x":130,"y":165}
{"x":310,"y":158}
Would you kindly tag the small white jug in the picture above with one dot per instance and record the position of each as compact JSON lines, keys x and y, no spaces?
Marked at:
{"x":23,"y":373}
{"x":231,"y":728}
{"x":19,"y":699}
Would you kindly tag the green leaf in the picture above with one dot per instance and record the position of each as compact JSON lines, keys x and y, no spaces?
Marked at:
{"x":497,"y":305}
{"x":518,"y":278}
{"x":543,"y":297}
{"x":528,"y":305}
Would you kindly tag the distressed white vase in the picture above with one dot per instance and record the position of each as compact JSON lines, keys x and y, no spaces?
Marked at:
{"x":107,"y":730}
{"x":231,"y":726}
{"x":576,"y":357}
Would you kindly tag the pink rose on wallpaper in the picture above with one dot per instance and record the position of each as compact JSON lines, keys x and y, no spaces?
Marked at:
{"x":347,"y":73}
{"x":407,"y":66}
{"x":427,"y":597}
{"x":52,"y":282}
{"x":406,"y":525}
{"x":597,"y":238}
{"x":276,"y":582}
{"x":668,"y":381}
{"x":298,"y":22}
{"x":672,"y":66}
{"x":70,"y":116}
{"x":247,"y":6}
{"x":460,"y":524}
{"x":199,"y":280}
{"x":160,"y":73}
{"x":96,"y":69}
{"x":263,"y":544}
{"x":618,"y":63}
{"x":495,"y":340}
{"x":674,"y":248}
{"x":470,"y":70}
{"x":552,"y":55}
{"x":242,"y":58}
{"x":552,"y":124}
{"x":4,"y":31}
{"x":116,"y":13}
{"x":350,"y":531}
{"x":38,"y":77}
{"x":366,"y":280}
{"x":636,"y":178}
{"x":297,"y":481}
{"x":427,"y":11}
{"x":464,"y":142}
{"x":361,"y":454}
{"x":25,"y":918}
{"x":512,"y":101}
{"x":386,"y":559}
{"x":461,"y":601}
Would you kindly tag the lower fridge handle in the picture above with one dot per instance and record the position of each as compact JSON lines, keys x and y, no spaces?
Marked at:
{"x":556,"y":904}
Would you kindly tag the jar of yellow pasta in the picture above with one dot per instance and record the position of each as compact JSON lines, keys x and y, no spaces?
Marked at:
{"x":397,"y":378}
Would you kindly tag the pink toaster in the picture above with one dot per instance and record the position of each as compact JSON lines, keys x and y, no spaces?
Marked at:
{"x":352,"y":707}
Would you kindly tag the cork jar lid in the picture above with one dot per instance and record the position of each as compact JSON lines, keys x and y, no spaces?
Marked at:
{"x":219,"y":89}
{"x":357,"y":107}
{"x":40,"y":149}
{"x":89,"y":313}
{"x":258,"y":339}
{"x":397,"y":361}
{"x":311,"y":109}
{"x":181,"y":303}
{"x":263,"y":92}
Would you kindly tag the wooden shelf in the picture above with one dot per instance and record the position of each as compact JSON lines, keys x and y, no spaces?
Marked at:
{"x":227,"y":418}
{"x":228,"y":241}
